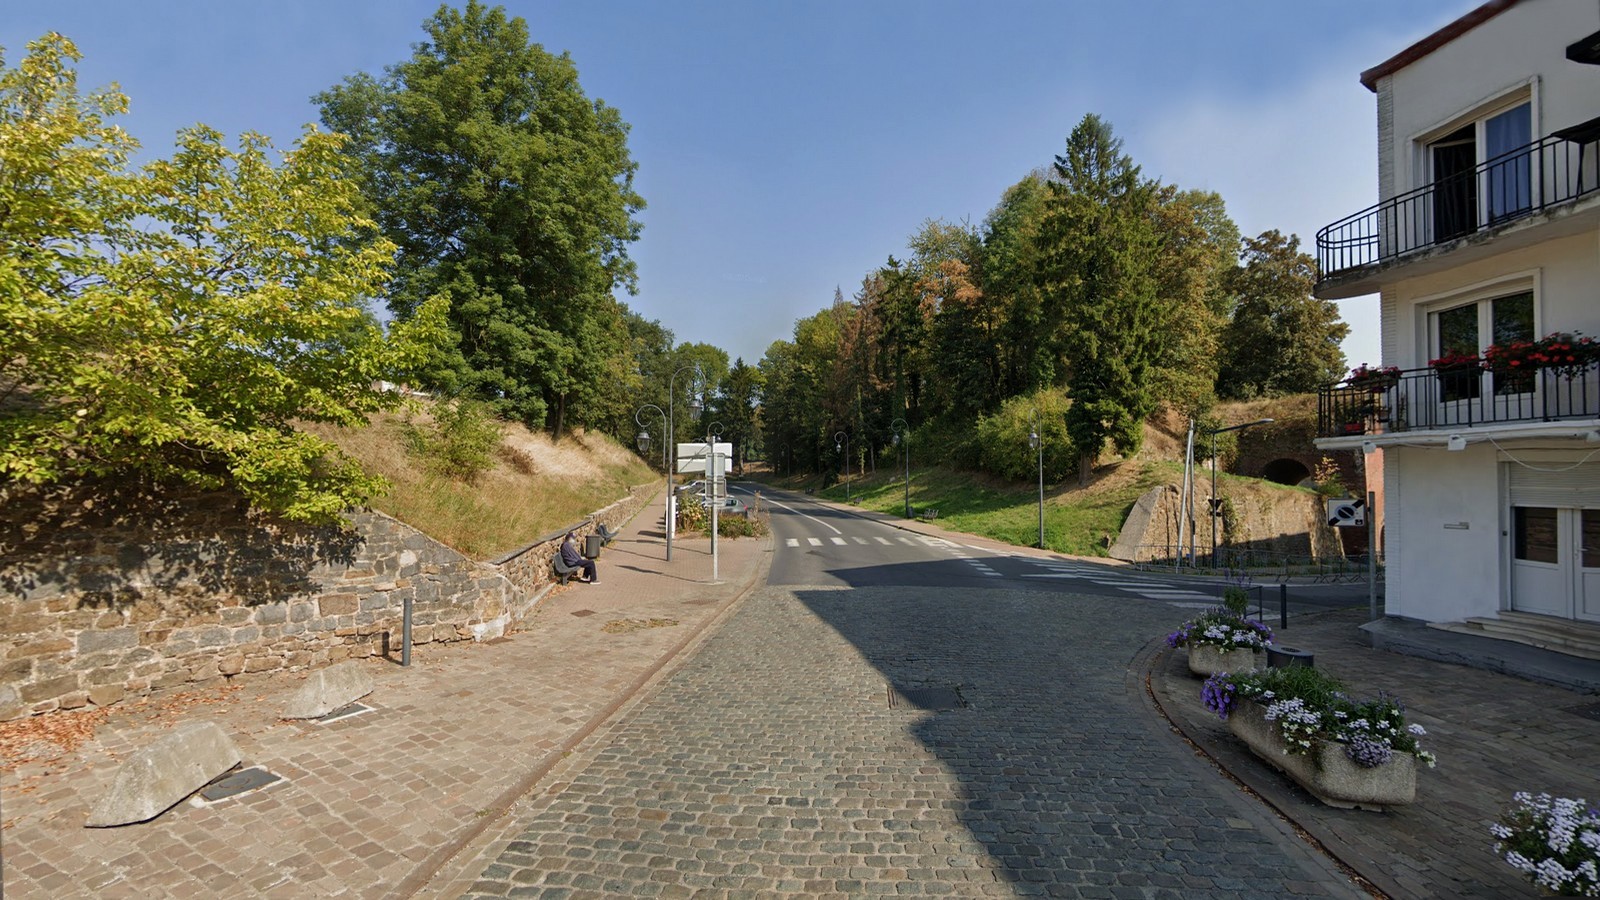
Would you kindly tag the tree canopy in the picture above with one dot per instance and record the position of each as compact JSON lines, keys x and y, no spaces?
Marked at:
{"x":499,"y":182}
{"x":178,"y":319}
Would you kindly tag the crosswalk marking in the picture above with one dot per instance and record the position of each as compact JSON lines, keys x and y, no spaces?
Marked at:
{"x":908,"y":542}
{"x":883,"y":540}
{"x":815,"y":542}
{"x":861,"y":540}
{"x":792,"y":542}
{"x":838,"y":540}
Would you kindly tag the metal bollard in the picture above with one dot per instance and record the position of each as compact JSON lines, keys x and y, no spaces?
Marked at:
{"x":405,"y":632}
{"x":1283,"y":657}
{"x":1283,"y":606}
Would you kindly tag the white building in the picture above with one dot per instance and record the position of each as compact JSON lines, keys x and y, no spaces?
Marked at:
{"x":1486,"y":234}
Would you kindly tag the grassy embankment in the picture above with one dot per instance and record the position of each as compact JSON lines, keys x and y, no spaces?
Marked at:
{"x":533,"y":487}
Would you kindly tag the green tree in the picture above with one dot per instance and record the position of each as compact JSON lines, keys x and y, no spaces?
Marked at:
{"x":1198,"y":254}
{"x":1281,"y":339}
{"x":1099,"y":285}
{"x":179,"y":320}
{"x":500,"y":182}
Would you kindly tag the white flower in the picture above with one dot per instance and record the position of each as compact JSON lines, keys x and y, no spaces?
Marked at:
{"x":1416,"y":729}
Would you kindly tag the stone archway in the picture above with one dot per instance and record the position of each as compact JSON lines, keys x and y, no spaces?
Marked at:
{"x":1286,"y":470}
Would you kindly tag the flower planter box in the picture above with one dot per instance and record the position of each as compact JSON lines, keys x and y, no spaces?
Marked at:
{"x":1206,"y":660}
{"x":1326,"y":771}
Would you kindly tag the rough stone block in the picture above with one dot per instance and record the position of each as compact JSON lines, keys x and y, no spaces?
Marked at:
{"x":236,"y":615}
{"x":123,"y":638}
{"x":328,"y":689}
{"x":262,"y":663}
{"x":215,"y":636}
{"x":43,"y":648}
{"x":156,"y":777}
{"x":337,"y":604}
{"x":75,"y":700}
{"x":106,"y":694}
{"x":49,"y":689}
{"x":11,"y":705}
{"x":272,"y":614}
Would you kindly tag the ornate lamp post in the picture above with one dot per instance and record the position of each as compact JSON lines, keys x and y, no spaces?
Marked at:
{"x":1036,"y":441}
{"x":1216,"y":507}
{"x":643,"y":441}
{"x":784,"y":450}
{"x":904,"y":442}
{"x":841,"y":442}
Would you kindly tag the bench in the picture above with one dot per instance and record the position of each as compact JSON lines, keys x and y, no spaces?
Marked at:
{"x":928,"y":515}
{"x":606,"y":534}
{"x":562,"y":570}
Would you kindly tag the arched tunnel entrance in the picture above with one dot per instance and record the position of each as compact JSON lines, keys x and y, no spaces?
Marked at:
{"x":1286,"y":471}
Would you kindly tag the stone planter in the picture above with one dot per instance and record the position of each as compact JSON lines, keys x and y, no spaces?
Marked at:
{"x":1206,"y":660}
{"x":1326,"y":771}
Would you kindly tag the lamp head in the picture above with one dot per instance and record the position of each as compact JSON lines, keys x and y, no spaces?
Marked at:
{"x":1033,"y":440}
{"x":643,"y":440}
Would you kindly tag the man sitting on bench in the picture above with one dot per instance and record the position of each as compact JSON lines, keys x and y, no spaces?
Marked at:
{"x":572,"y":559}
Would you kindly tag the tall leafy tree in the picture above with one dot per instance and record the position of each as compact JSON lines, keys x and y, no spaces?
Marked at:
{"x":179,"y":321}
{"x":1099,"y":284}
{"x":1281,"y":339}
{"x":499,"y":181}
{"x":1193,"y":270}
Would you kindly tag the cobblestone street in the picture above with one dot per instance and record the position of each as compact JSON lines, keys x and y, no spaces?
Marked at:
{"x":778,"y":760}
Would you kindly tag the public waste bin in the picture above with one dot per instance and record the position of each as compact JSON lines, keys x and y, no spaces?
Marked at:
{"x":592,"y":544}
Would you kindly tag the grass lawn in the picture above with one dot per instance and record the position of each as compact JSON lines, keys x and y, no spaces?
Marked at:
{"x":1076,"y":520}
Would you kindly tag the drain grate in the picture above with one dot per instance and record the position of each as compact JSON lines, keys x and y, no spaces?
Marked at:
{"x":343,"y":712}
{"x":580,"y":613}
{"x":1592,"y":711}
{"x":930,"y":698}
{"x":234,"y":783}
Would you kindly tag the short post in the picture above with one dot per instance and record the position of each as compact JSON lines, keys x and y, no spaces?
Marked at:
{"x":1283,"y":606}
{"x":405,"y":631}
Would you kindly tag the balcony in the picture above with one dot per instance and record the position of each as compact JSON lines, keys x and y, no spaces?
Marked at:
{"x":1516,"y":185}
{"x":1422,"y":400}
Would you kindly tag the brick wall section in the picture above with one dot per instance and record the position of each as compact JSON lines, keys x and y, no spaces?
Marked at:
{"x":106,"y":594}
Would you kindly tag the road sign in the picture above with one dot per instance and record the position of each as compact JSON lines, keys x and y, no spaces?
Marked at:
{"x":693,"y":457}
{"x":1347,"y":513}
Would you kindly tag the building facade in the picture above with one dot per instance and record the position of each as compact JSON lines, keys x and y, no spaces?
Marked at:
{"x":1484,"y":249}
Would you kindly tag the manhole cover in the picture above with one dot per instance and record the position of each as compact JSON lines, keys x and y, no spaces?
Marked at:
{"x":343,"y":712}
{"x":580,"y":613}
{"x":933,"y":698}
{"x":1592,"y":711}
{"x":234,"y":783}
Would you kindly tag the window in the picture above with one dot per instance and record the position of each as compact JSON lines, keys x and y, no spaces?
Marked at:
{"x":1534,"y":533}
{"x":1479,"y":172}
{"x":1468,"y":329}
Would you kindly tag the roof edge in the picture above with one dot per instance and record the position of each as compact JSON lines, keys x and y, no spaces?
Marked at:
{"x":1434,"y":41}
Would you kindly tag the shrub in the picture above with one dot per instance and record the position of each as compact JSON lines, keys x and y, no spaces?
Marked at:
{"x":460,"y":440}
{"x":1002,"y":438}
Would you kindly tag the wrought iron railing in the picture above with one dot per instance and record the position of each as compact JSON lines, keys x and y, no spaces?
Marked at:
{"x":1431,"y":400}
{"x":1530,"y":179}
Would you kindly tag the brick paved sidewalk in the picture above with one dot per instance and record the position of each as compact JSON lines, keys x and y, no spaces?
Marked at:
{"x":1494,"y":734}
{"x":374,"y":804}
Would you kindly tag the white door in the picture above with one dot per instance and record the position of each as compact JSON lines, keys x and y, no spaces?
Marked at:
{"x":1541,"y":560}
{"x":1587,"y":602}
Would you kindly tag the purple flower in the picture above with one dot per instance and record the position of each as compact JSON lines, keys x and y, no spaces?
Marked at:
{"x":1218,"y":694}
{"x":1368,"y":753}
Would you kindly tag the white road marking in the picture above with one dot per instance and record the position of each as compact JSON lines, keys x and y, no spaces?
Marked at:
{"x":883,"y":540}
{"x":815,"y":542}
{"x":908,"y":542}
{"x":860,"y":540}
{"x":792,"y":542}
{"x":837,"y":540}
{"x":799,"y":513}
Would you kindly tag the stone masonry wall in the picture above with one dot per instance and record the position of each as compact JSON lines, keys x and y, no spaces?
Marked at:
{"x":111,"y":593}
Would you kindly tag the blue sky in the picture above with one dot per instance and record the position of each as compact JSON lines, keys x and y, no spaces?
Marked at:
{"x":785,"y":148}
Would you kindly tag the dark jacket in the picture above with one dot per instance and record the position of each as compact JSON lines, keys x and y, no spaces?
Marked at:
{"x":569,"y":553}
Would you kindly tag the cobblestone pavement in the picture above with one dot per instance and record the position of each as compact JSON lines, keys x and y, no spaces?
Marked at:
{"x":773,"y":763}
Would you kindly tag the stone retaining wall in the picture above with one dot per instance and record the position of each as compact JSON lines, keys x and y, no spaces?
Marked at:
{"x":111,"y":593}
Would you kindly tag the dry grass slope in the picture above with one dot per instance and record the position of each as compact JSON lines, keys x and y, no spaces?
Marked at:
{"x":535,"y":486}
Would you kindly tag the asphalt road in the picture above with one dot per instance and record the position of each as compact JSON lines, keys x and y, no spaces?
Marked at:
{"x":898,"y":714}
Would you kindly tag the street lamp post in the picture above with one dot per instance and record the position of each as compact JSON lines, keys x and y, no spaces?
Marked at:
{"x":901,"y":438}
{"x":672,"y":433}
{"x":1036,"y":441}
{"x":1216,"y":507}
{"x":784,"y":448}
{"x":841,"y":442}
{"x":644,"y":447}
{"x":713,"y":432}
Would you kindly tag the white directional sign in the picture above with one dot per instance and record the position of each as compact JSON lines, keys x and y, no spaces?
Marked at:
{"x":1347,"y":513}
{"x":693,"y":457}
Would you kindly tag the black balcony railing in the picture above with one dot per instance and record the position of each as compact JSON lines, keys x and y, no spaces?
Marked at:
{"x":1553,"y":170}
{"x":1433,"y":400}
